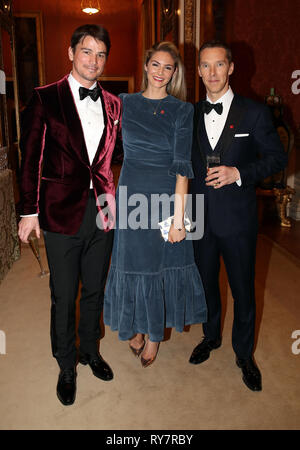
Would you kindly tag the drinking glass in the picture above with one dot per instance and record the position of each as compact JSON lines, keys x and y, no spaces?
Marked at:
{"x":212,"y":161}
{"x":34,"y":245}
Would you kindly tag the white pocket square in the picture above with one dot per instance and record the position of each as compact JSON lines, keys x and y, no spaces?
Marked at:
{"x":241,"y":135}
{"x":116,"y":122}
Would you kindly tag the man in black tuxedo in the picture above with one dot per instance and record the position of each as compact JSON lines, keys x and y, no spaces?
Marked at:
{"x":239,"y":133}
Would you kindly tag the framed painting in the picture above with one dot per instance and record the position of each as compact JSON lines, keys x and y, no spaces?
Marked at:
{"x":29,"y":53}
{"x":149,"y":23}
{"x":118,"y":85}
{"x":169,"y":20}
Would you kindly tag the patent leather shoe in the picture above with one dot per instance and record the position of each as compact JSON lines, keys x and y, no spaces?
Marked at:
{"x":99,"y":367}
{"x":251,"y":373}
{"x":66,"y":386}
{"x":202,"y":351}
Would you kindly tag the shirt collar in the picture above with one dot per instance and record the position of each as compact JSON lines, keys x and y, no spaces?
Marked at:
{"x":226,"y":98}
{"x":75,"y":85}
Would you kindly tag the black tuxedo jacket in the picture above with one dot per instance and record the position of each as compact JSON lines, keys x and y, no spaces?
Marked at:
{"x":256,"y":153}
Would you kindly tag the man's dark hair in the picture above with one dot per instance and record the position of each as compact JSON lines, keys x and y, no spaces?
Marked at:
{"x":96,"y":31}
{"x":217,"y":44}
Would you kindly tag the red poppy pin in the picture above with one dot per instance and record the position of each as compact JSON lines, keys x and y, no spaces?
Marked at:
{"x":231,"y":126}
{"x":162,"y":111}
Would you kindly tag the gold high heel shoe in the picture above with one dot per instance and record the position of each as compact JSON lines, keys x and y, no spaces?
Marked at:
{"x":137,"y":351}
{"x":147,"y":362}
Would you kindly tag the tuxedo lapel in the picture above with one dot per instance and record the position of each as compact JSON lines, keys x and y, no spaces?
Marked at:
{"x":201,"y":131}
{"x":235,"y":115}
{"x":72,"y":120}
{"x":104,"y":134}
{"x":104,"y":143}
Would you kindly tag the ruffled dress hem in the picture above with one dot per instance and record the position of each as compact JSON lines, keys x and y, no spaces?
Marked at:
{"x":150,"y":302}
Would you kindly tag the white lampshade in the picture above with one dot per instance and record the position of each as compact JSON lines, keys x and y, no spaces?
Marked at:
{"x":90,"y":6}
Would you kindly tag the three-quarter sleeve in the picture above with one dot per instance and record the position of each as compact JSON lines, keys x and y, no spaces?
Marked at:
{"x":183,"y":142}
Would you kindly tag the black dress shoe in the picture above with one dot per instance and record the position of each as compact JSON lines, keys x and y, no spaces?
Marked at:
{"x":99,"y":367}
{"x":202,"y":351}
{"x":251,"y":373}
{"x":66,"y":386}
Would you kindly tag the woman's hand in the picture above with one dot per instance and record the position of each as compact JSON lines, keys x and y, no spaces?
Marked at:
{"x":177,"y":230}
{"x":176,"y":235}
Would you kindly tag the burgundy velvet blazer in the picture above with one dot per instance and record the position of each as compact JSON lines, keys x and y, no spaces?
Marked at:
{"x":56,"y":172}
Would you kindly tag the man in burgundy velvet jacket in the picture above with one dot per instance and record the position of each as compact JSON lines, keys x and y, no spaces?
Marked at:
{"x":69,"y":133}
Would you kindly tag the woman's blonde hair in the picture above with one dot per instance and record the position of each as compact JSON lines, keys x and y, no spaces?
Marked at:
{"x":177,"y":84}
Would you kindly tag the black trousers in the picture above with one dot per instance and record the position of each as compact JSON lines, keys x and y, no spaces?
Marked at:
{"x":238,"y":253}
{"x":81,"y":257}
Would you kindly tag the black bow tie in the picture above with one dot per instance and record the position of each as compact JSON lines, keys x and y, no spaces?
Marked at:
{"x":93,"y":93}
{"x":207,"y":107}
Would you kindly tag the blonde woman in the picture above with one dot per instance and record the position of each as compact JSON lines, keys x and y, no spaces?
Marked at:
{"x":153,"y":283}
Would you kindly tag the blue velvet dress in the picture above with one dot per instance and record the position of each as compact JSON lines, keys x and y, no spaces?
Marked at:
{"x":152,"y":284}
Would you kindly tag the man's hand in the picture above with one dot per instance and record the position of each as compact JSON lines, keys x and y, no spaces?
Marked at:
{"x":221,"y":175}
{"x":26,"y":226}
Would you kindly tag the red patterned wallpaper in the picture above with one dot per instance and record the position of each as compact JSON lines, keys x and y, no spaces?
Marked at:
{"x":266,"y":42}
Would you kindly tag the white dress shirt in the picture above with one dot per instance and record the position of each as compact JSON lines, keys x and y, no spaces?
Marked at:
{"x":91,"y":117}
{"x":214,"y":122}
